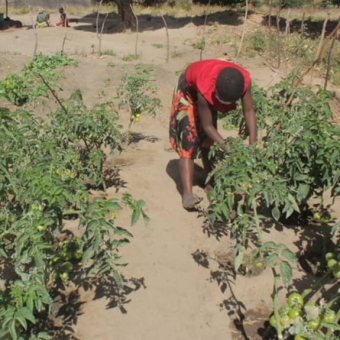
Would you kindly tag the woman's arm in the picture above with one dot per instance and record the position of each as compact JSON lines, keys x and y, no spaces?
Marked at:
{"x":206,"y":118}
{"x":249,"y":115}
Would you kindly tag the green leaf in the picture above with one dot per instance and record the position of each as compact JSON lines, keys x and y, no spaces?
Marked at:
{"x":288,"y":254}
{"x":118,"y":278}
{"x":113,"y":204}
{"x":88,"y":254}
{"x":270,"y":260}
{"x":332,"y":325}
{"x":121,"y":231}
{"x":12,"y":330}
{"x":238,"y":259}
{"x":21,"y":319}
{"x":123,"y":242}
{"x":135,"y":216}
{"x":44,"y":336}
{"x":286,"y":272}
{"x":302,"y":191}
{"x":27,"y":314}
{"x":269,"y":244}
{"x":293,"y":201}
{"x":276,"y":213}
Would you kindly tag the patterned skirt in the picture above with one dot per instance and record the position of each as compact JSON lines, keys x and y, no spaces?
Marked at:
{"x":187,"y":136}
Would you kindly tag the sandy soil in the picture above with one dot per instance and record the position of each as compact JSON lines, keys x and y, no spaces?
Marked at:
{"x":176,"y":287}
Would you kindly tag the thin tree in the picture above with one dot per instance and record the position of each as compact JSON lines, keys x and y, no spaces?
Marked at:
{"x":167,"y":36}
{"x":270,"y":27}
{"x":137,"y":29}
{"x":316,"y":60}
{"x":329,"y":59}
{"x":99,"y":34}
{"x":322,"y":36}
{"x":301,"y":41}
{"x":287,"y":32}
{"x":204,"y":27}
{"x":278,"y":39}
{"x":243,"y":29}
{"x":35,"y":32}
{"x":65,"y":35}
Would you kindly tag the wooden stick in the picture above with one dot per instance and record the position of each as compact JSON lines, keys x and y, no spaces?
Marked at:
{"x":316,"y":60}
{"x":167,"y":36}
{"x":204,"y":26}
{"x":137,"y":29}
{"x":243,"y":29}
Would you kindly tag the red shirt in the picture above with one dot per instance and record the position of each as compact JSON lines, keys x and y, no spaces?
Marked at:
{"x":201,"y":76}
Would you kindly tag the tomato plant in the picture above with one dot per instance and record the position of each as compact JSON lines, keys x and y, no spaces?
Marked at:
{"x":296,"y":158}
{"x":46,"y":166}
{"x":137,"y":92}
{"x":27,"y":86}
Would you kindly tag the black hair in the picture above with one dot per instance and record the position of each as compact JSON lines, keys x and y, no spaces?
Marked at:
{"x":229,"y":84}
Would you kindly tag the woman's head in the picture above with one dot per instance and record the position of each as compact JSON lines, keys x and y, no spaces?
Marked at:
{"x":229,"y":85}
{"x":61,"y":10}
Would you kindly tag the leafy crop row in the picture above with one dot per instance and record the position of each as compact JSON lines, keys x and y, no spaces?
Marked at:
{"x":46,"y":166}
{"x":296,"y":158}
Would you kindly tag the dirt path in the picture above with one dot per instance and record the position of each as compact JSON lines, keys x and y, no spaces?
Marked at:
{"x":169,"y":296}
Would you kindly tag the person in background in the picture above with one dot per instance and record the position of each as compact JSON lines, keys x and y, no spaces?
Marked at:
{"x":204,"y":89}
{"x":63,"y":18}
{"x":43,"y":19}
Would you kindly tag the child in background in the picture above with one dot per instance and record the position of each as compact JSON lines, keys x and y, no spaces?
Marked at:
{"x":63,"y":19}
{"x":43,"y":19}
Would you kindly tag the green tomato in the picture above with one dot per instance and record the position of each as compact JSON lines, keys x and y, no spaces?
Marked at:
{"x":259,"y":264}
{"x":336,"y":273}
{"x":295,"y":300}
{"x":66,"y":267}
{"x":314,"y":324}
{"x":329,"y":256}
{"x":332,"y":264}
{"x":299,"y":337}
{"x":326,"y":217}
{"x":55,"y":259}
{"x":272,"y":321}
{"x":294,"y":313}
{"x":66,"y":255}
{"x":64,"y":276}
{"x":78,"y":254}
{"x":41,"y":227}
{"x":317,"y":216}
{"x":284,"y":321}
{"x":328,"y":316}
{"x":284,"y":310}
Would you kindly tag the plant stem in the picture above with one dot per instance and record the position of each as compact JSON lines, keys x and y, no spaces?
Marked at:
{"x":275,"y":304}
{"x":317,"y":284}
{"x":259,"y":231}
{"x":334,"y":298}
{"x":336,"y":321}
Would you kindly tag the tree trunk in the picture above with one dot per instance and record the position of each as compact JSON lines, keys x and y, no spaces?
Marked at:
{"x":125,"y":13}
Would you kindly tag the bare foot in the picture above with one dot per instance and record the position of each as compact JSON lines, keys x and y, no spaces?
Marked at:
{"x":191,"y":201}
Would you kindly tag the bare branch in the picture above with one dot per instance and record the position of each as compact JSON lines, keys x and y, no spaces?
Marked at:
{"x":167,"y":36}
{"x":137,"y":29}
{"x":243,"y":29}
